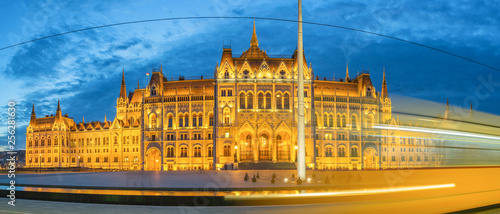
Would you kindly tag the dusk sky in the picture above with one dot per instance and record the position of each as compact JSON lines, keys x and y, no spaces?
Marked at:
{"x":84,"y":69}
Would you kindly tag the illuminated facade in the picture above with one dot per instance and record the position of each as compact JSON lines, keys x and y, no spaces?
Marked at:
{"x":248,"y":110}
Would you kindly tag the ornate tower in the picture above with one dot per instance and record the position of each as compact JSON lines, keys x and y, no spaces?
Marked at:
{"x":121,"y":102}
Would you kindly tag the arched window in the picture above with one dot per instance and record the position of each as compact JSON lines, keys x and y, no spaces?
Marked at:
{"x":248,"y":142}
{"x":195,"y":120}
{"x":341,"y":152}
{"x":279,"y":102}
{"x":353,"y":122}
{"x":200,"y":119}
{"x":339,"y":121}
{"x":181,"y":120}
{"x":268,"y":101}
{"x":368,"y":92}
{"x":170,"y":152}
{"x":242,"y":101}
{"x":316,"y":118}
{"x":328,"y":151}
{"x":184,"y":150}
{"x":186,"y":120}
{"x":286,"y":101}
{"x":330,"y":119}
{"x":226,"y":75}
{"x":197,"y":151}
{"x":210,"y":151}
{"x":344,"y":120}
{"x":153,"y":90}
{"x":227,"y":116}
{"x":227,"y":150}
{"x":170,"y":121}
{"x":325,"y":120}
{"x":261,"y":101}
{"x":250,"y":101}
{"x":278,"y":140}
{"x":354,"y":151}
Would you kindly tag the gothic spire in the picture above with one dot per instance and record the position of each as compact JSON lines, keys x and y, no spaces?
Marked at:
{"x":384,"y":86}
{"x":33,"y":115}
{"x":254,"y":42}
{"x":123,"y":89}
{"x":58,"y":111}
{"x":347,"y":79}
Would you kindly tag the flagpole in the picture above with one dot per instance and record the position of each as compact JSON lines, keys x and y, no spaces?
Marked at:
{"x":301,"y":150}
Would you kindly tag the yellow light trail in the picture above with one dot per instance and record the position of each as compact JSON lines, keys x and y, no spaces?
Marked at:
{"x":342,"y":193}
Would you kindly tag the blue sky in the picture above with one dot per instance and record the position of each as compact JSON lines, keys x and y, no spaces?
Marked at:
{"x":83,"y":69}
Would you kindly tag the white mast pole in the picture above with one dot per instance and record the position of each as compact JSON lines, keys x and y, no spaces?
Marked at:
{"x":301,"y":150}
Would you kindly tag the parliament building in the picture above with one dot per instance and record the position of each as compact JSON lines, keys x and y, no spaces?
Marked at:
{"x":246,"y":113}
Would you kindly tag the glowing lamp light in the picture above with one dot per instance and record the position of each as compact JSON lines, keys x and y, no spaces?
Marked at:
{"x":235,"y":147}
{"x":309,"y":180}
{"x":286,"y":180}
{"x":156,"y":161}
{"x":296,"y":147}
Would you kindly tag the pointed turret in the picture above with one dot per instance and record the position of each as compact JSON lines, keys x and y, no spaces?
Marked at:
{"x":123,"y":89}
{"x":347,"y":79}
{"x":254,"y":42}
{"x":33,"y":115}
{"x":138,"y":86}
{"x":447,"y":110}
{"x":384,"y":87}
{"x":58,"y":111}
{"x":105,"y":120}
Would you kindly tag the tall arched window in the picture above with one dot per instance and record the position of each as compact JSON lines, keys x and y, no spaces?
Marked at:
{"x":181,"y":120}
{"x":170,"y":152}
{"x":184,"y":150}
{"x":268,"y":101}
{"x":153,"y":90}
{"x":250,"y":101}
{"x":210,"y":151}
{"x":195,"y":120}
{"x":261,"y":101}
{"x":227,"y":150}
{"x":278,"y":140}
{"x":211,"y":119}
{"x":286,"y":101}
{"x":325,"y":120}
{"x":170,"y":121}
{"x":227,"y":116}
{"x":341,"y":152}
{"x":197,"y":151}
{"x":200,"y":119}
{"x":354,"y":151}
{"x":186,"y":120}
{"x":328,"y":151}
{"x":330,"y":118}
{"x":248,"y":142}
{"x":242,"y":101}
{"x":153,"y":121}
{"x":226,"y":75}
{"x":279,"y":102}
{"x":353,"y":122}
{"x":344,"y":120}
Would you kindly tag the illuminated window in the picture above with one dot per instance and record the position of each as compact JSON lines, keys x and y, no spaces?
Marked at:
{"x":170,"y":121}
{"x":210,"y":151}
{"x":279,"y":102}
{"x":242,"y":101}
{"x":268,"y":101}
{"x":341,"y":152}
{"x":211,"y":120}
{"x":183,"y":152}
{"x":200,"y":120}
{"x":226,"y":75}
{"x":261,"y":100}
{"x":354,"y":152}
{"x":250,"y":101}
{"x":227,"y":150}
{"x":197,"y":151}
{"x":170,"y":152}
{"x":153,"y":121}
{"x":328,"y":151}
